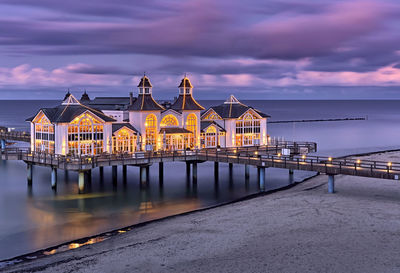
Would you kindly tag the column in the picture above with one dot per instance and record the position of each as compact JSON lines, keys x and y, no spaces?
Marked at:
{"x":291,"y":176}
{"x":143,"y":175}
{"x":161,"y":172}
{"x":230,"y":168}
{"x":188,"y":169}
{"x":81,"y":181}
{"x":261,"y":178}
{"x":89,"y":176}
{"x":114,"y":174}
{"x":147,"y":173}
{"x":101,"y":172}
{"x":124,"y":173}
{"x":246,"y":171}
{"x":53,"y":178}
{"x":216,"y":169}
{"x":194,"y":172}
{"x":331,"y":183}
{"x":30,"y":173}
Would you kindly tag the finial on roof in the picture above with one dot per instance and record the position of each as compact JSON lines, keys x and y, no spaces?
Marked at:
{"x":144,"y":82}
{"x":67,"y":95}
{"x":231,"y":100}
{"x":85,"y":97}
{"x":185,"y":83}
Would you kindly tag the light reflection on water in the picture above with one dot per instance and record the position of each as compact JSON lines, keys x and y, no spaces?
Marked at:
{"x":37,"y":217}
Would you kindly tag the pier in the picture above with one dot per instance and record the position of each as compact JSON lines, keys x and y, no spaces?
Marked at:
{"x":261,"y":157}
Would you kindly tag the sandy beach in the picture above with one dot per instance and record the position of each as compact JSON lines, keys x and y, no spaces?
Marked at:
{"x":302,"y":229}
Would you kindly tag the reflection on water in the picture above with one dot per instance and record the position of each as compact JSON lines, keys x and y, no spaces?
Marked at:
{"x":37,"y":217}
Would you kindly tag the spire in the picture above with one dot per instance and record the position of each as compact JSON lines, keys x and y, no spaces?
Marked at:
{"x":67,"y":95}
{"x":85,"y":97}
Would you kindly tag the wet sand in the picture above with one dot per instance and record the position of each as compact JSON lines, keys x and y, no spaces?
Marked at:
{"x":302,"y":229}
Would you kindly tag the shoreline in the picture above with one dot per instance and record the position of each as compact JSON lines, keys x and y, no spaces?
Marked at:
{"x":23,"y":259}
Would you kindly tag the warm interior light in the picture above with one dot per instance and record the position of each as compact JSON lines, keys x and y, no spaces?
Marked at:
{"x":330,"y":158}
{"x":279,"y":154}
{"x":303,"y":156}
{"x":358,"y":161}
{"x":389,"y":164}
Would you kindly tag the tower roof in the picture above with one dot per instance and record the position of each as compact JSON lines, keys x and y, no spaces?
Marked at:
{"x":186,"y":102}
{"x":144,"y":82}
{"x":185,"y":83}
{"x":145,"y":102}
{"x":85,"y":97}
{"x":232,"y":99}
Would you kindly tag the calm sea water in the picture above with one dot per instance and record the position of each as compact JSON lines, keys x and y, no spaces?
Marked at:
{"x":38,"y":217}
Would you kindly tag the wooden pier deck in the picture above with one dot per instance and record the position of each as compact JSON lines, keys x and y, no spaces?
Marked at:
{"x":261,"y":157}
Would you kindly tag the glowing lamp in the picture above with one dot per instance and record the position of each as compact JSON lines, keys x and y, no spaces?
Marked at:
{"x":329,"y":158}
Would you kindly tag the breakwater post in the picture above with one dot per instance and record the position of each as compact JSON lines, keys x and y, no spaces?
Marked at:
{"x":331,"y":183}
{"x":30,"y":174}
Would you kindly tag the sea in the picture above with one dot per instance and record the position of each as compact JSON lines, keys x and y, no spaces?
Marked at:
{"x":37,"y":217}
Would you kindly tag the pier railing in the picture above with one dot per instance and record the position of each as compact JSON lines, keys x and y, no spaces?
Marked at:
{"x":16,"y":136}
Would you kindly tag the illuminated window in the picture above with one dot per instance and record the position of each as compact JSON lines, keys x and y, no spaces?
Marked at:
{"x":85,"y":136}
{"x":211,"y":137}
{"x":44,"y":135}
{"x":191,"y":125}
{"x":151,"y":130}
{"x":124,"y":141}
{"x":169,"y":121}
{"x":211,"y":116}
{"x":247,"y":130}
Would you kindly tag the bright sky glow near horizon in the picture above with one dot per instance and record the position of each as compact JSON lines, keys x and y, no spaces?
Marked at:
{"x":278,"y":49}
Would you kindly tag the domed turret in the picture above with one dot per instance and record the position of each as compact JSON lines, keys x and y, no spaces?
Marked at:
{"x":85,"y":98}
{"x":185,"y":87}
{"x":145,"y":86}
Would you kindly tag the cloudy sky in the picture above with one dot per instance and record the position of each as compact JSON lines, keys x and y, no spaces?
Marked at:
{"x":275,"y":49}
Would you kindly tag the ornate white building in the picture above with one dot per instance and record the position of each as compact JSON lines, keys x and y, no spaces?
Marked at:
{"x":130,"y":124}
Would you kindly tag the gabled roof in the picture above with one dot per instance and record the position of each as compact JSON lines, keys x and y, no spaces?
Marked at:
{"x":66,"y":113}
{"x":186,"y":102}
{"x":144,"y":82}
{"x":118,"y":126}
{"x":205,"y":124}
{"x":185,"y":83}
{"x":145,"y":102}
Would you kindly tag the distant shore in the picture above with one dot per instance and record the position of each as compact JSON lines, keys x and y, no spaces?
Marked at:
{"x":301,"y":229}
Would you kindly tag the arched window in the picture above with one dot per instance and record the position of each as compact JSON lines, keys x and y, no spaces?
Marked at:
{"x":191,"y":125}
{"x":169,"y":121}
{"x":124,"y":141}
{"x":151,"y":130}
{"x":247,"y":130}
{"x":44,"y":135}
{"x":85,"y":135}
{"x":211,"y":137}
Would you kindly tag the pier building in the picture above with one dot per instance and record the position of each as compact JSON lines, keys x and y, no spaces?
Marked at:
{"x":130,"y":124}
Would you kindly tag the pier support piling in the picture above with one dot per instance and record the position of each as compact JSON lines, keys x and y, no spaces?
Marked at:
{"x":81,"y":181}
{"x":188,"y":169}
{"x":161,"y":171}
{"x":331,"y":183}
{"x":30,"y":173}
{"x":53,"y":178}
{"x":261,"y":178}
{"x":114,"y":174}
{"x":3,"y":144}
{"x":291,"y":176}
{"x":124,"y":173}
{"x":230,"y":168}
{"x":216,"y":169}
{"x":143,"y":175}
{"x":194,"y":172}
{"x":246,"y":171}
{"x":101,"y":172}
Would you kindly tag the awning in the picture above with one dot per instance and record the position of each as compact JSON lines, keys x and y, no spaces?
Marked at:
{"x":174,"y":130}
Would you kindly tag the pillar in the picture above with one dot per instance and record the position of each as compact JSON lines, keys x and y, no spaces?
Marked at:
{"x":114,"y":174}
{"x":216,"y":169}
{"x":101,"y":172}
{"x":124,"y":173}
{"x":291,"y":176}
{"x":230,"y":168}
{"x":246,"y":171}
{"x":147,"y":173}
{"x":161,"y":172}
{"x":331,"y":183}
{"x":143,"y":175}
{"x":81,"y":181}
{"x":188,"y":169}
{"x":89,"y":176}
{"x":261,"y":178}
{"x":53,"y":178}
{"x":3,"y":144}
{"x":194,"y":172}
{"x":30,"y":173}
